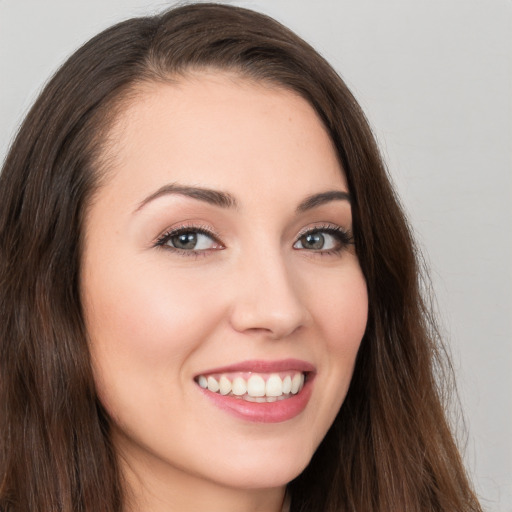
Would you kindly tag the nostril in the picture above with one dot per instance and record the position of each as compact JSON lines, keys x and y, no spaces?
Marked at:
{"x":266,"y":299}
{"x":274,"y":322}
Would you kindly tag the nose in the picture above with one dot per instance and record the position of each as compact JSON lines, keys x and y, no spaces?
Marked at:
{"x":267,"y":299}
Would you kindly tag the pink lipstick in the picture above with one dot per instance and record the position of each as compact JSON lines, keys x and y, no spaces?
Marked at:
{"x":260,"y":391}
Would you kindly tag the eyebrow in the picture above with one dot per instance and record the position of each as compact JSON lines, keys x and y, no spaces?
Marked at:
{"x":226,"y":200}
{"x":322,"y":198}
{"x":214,"y":197}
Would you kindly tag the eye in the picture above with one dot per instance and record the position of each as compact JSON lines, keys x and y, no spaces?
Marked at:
{"x":329,"y":240}
{"x":189,"y":240}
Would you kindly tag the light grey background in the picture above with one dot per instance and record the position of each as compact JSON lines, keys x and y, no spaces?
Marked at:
{"x":435,"y":78}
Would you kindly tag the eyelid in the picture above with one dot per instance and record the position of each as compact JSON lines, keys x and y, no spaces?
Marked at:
{"x":329,"y":227}
{"x":344,"y":236}
{"x":163,"y":237}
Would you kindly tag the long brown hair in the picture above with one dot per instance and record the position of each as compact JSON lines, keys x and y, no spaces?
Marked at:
{"x":390,"y":448}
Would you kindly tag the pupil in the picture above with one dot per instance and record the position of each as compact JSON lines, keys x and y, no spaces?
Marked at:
{"x":185,"y":240}
{"x":313,"y":241}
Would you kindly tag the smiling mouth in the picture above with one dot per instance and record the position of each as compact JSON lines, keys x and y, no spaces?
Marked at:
{"x":255,"y":387}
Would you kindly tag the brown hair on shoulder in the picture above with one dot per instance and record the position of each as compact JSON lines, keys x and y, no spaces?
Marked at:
{"x":390,"y":448}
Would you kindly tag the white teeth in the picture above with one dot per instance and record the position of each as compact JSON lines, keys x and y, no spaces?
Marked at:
{"x":274,"y":386}
{"x":256,"y":386}
{"x":287,"y":385}
{"x":213,"y":385}
{"x":224,"y":385}
{"x":239,"y":387}
{"x":257,"y":399}
{"x":296,"y":382}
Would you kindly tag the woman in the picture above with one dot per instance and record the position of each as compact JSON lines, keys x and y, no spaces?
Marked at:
{"x":210,"y":295}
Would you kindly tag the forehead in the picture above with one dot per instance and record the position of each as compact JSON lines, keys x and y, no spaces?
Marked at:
{"x":222,"y":131}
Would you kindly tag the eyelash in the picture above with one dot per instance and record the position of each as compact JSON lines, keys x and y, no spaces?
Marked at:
{"x":162,"y":240}
{"x":343,"y":237}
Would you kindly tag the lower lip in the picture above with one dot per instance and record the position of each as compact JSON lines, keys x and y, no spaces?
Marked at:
{"x":266,"y":412}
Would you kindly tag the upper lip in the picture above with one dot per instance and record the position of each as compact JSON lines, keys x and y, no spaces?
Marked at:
{"x":263,"y":366}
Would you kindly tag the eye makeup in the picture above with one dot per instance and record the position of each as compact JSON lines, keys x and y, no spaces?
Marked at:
{"x":324,"y":239}
{"x":193,"y":240}
{"x":189,"y":240}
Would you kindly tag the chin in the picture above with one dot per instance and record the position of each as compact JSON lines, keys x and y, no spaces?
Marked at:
{"x":265,"y":469}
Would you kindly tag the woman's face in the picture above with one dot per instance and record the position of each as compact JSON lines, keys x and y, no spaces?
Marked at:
{"x":218,"y":258}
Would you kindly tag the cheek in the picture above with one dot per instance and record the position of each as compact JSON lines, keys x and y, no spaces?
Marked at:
{"x":143,"y":325}
{"x":343,"y":313}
